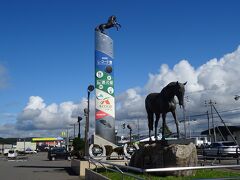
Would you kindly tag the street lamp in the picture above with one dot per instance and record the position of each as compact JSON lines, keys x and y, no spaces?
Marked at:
{"x":86,"y":112}
{"x":130,"y":128}
{"x":116,"y":139}
{"x":236,"y":97}
{"x":79,"y":119}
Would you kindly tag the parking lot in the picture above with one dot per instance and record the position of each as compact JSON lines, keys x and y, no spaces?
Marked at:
{"x":37,"y":167}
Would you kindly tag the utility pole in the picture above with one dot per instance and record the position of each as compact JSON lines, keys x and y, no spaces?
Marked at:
{"x":138,"y":131}
{"x":213,"y":125}
{"x":67,"y":139}
{"x":225,"y":125}
{"x":189,"y":126}
{"x":74,"y":131}
{"x":209,"y":132}
{"x":79,"y":133}
{"x":185,"y":128}
{"x":24,"y":145}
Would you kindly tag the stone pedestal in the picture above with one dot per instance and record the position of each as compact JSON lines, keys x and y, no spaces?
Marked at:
{"x":79,"y":166}
{"x":162,"y":155}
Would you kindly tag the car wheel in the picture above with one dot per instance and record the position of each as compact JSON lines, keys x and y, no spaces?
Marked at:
{"x":235,"y":155}
{"x":53,"y":158}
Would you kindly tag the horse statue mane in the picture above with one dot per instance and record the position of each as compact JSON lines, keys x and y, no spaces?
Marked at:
{"x":161,"y":103}
{"x":112,"y":22}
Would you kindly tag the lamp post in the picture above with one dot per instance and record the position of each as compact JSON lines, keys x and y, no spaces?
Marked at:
{"x":86,"y":112}
{"x":236,"y":97}
{"x":130,"y":128}
{"x":79,"y":119}
{"x":116,"y":139}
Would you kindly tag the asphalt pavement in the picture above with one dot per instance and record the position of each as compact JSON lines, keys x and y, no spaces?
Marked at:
{"x":36,"y":167}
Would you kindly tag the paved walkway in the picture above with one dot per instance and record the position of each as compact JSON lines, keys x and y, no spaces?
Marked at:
{"x":36,"y":167}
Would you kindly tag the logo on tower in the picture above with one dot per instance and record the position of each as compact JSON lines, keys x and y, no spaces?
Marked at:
{"x":110,"y":90}
{"x":99,"y":74}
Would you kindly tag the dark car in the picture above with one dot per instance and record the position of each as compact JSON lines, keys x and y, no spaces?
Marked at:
{"x":58,"y":153}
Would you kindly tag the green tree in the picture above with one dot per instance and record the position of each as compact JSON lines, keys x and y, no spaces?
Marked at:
{"x":167,"y":130}
{"x":78,"y":144}
{"x":78,"y":148}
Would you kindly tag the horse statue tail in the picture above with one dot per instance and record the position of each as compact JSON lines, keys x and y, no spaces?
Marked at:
{"x":149,"y":113}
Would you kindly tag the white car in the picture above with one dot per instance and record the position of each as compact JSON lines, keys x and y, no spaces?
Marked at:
{"x":12,"y":154}
{"x":30,"y":151}
{"x":222,"y":148}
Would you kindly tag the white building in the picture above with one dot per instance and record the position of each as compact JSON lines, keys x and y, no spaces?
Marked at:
{"x":22,"y":146}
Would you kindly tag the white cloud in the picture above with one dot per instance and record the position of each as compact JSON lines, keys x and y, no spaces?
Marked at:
{"x":217,"y":79}
{"x":38,"y":115}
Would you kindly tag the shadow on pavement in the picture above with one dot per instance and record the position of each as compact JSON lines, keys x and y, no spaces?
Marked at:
{"x":56,"y":168}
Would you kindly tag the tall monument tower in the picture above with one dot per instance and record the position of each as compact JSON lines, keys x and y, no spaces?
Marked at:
{"x":104,"y":81}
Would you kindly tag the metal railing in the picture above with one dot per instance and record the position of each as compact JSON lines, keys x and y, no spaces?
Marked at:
{"x":140,"y":170}
{"x":117,"y":168}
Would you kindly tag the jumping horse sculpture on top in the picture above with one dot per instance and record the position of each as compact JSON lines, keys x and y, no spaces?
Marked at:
{"x":162,"y":103}
{"x":112,"y":22}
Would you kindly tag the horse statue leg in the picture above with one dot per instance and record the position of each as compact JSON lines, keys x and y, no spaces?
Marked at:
{"x":156,"y":124}
{"x":117,"y":26}
{"x":163,"y":125}
{"x":149,"y":134}
{"x":150,"y":123}
{"x":176,"y":122}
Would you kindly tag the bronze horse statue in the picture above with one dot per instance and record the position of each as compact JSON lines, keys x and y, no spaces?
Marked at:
{"x":112,"y":22}
{"x":162,"y":103}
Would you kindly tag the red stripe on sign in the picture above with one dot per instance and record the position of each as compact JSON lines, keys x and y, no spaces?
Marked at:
{"x":101,"y":114}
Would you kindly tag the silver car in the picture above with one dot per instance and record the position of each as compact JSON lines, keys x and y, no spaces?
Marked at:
{"x":222,"y":148}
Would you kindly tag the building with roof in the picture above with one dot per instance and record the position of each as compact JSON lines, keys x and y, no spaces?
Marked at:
{"x":222,"y":133}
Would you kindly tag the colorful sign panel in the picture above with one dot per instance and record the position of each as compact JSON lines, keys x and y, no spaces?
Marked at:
{"x":104,"y":84}
{"x":47,"y":139}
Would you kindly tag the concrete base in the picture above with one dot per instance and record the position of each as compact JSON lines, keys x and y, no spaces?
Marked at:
{"x":92,"y":175}
{"x":160,"y":155}
{"x":180,"y":141}
{"x":101,"y":141}
{"x":79,"y":166}
{"x":171,"y":141}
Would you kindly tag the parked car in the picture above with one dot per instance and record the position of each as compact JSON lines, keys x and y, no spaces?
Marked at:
{"x":30,"y":151}
{"x":222,"y":148}
{"x":12,"y":154}
{"x":58,"y":153}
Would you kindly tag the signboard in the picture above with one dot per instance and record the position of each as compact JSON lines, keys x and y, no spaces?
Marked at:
{"x":104,"y":84}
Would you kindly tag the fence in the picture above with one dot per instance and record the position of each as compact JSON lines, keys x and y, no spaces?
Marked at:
{"x":219,"y":154}
{"x":118,"y":168}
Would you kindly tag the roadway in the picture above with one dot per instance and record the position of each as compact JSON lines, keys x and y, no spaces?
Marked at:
{"x":36,"y":167}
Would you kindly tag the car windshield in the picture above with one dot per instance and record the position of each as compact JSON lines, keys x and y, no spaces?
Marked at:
{"x":58,"y":150}
{"x":11,"y":151}
{"x":229,"y":144}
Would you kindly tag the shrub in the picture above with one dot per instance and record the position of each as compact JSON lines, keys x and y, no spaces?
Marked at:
{"x":78,"y":148}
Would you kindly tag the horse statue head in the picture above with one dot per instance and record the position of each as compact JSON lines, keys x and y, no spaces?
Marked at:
{"x":180,"y":90}
{"x":112,"y":22}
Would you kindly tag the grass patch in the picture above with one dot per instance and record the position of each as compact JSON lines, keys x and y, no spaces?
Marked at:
{"x":205,"y":173}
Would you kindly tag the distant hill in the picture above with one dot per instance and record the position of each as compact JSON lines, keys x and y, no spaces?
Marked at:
{"x":13,"y":140}
{"x":8,"y":140}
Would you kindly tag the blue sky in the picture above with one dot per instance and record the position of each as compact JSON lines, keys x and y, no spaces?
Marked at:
{"x":47,"y":47}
